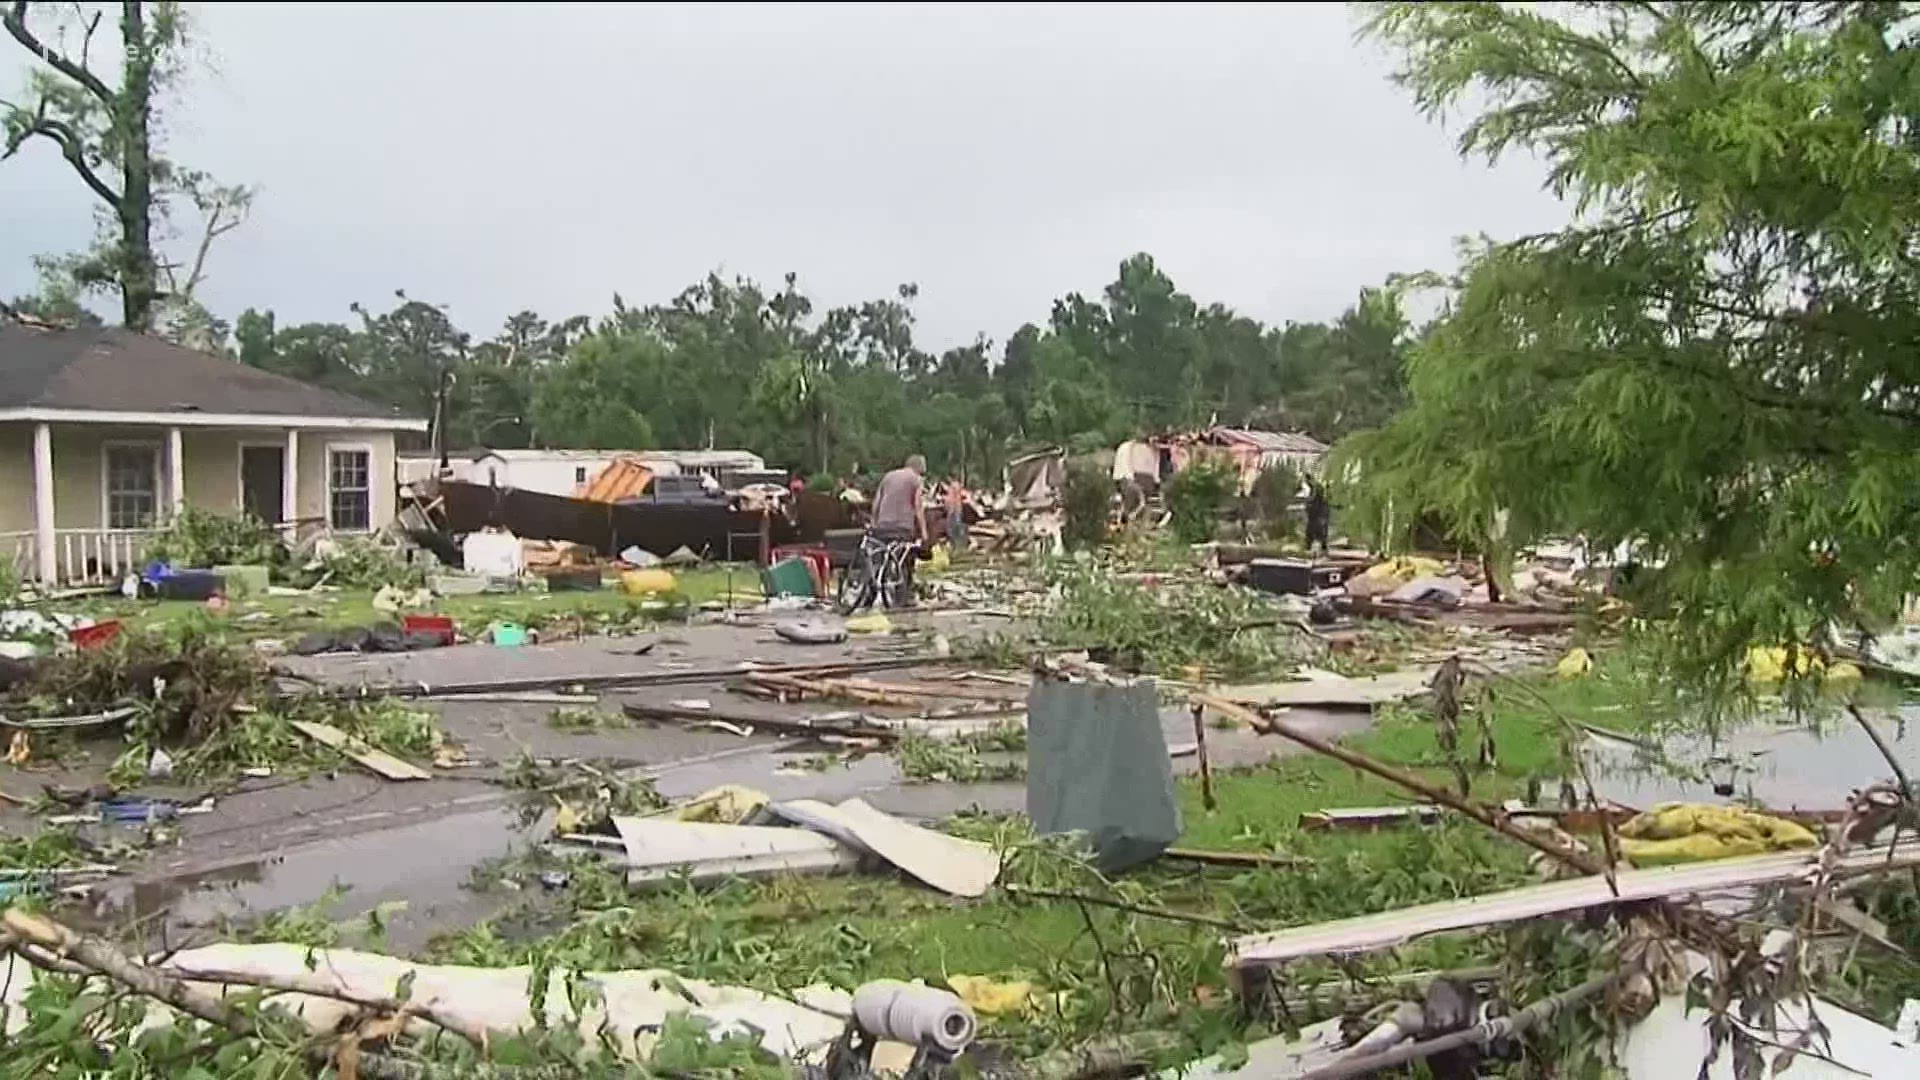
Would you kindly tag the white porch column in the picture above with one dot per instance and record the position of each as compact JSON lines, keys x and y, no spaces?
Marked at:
{"x":176,"y":473}
{"x":45,"y":563}
{"x":290,"y":483}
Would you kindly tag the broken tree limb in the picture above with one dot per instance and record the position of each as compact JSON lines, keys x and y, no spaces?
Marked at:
{"x":1206,"y":767}
{"x":1234,"y":858}
{"x":1500,"y":1027}
{"x":1368,"y":933}
{"x":62,"y":949}
{"x":1275,"y":726}
{"x":1122,"y":905}
{"x":97,"y":955}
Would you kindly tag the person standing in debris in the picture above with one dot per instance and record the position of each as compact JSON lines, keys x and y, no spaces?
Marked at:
{"x":898,"y":524}
{"x":1319,"y":517}
{"x":954,"y":496}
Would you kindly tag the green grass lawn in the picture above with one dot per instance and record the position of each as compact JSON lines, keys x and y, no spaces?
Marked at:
{"x":283,"y":616}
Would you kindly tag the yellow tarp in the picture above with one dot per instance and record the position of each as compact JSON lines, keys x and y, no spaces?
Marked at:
{"x":1576,"y":663}
{"x":992,"y":998}
{"x":1693,"y":832}
{"x":646,"y":582}
{"x":1402,"y":570}
{"x":1769,"y":664}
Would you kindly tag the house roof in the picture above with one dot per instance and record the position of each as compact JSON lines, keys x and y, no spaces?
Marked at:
{"x":1269,"y":442}
{"x":67,"y":374}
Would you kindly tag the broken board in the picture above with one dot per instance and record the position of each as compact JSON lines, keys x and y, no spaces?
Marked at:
{"x":948,"y":863}
{"x":378,"y":761}
{"x":658,"y":850}
{"x":1327,"y":690}
{"x":1389,"y":928}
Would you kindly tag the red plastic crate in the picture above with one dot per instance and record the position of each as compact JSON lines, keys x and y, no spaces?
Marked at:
{"x":440,"y":626}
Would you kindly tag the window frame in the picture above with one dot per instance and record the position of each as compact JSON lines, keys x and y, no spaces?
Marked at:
{"x":152,"y":446}
{"x":333,"y":448}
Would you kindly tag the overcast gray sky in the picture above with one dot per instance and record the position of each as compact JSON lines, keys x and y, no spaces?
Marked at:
{"x":495,"y":158}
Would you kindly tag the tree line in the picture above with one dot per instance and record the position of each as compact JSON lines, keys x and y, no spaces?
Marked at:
{"x":730,"y":362}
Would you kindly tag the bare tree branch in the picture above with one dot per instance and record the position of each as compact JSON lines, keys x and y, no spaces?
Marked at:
{"x":71,"y":148}
{"x":86,"y":41}
{"x":15,"y":20}
{"x":226,"y":209}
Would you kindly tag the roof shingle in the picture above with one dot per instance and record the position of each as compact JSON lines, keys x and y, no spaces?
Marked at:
{"x":115,"y":370}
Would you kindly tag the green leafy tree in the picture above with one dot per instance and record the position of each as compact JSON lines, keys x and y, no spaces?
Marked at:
{"x":415,"y":359}
{"x":1332,"y":380}
{"x":592,"y":399}
{"x":1716,"y":360}
{"x":105,"y":126}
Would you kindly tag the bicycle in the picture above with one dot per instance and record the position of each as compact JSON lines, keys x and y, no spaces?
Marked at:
{"x":879,"y":574}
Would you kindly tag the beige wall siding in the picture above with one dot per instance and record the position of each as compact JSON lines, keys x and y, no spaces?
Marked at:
{"x":211,"y":470}
{"x":314,"y":448}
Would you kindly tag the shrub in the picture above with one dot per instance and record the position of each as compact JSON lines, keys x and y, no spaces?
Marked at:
{"x":1086,"y":498}
{"x":1273,"y":495}
{"x":198,"y":537}
{"x":1195,"y":497}
{"x":355,"y":562}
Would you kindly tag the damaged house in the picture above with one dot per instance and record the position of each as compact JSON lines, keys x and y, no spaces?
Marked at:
{"x":1158,"y":457}
{"x":106,"y":433}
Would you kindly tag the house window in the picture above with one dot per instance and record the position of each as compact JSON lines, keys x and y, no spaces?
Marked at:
{"x":349,"y":493}
{"x":579,"y":474}
{"x":133,"y":486}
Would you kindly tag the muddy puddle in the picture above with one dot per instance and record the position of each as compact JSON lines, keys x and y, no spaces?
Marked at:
{"x":418,"y":874}
{"x":1786,"y":765}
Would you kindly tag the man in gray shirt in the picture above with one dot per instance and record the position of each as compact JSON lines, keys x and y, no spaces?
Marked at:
{"x":899,"y":520}
{"x":898,"y":512}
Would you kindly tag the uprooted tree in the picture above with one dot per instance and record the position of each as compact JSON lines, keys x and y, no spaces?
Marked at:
{"x":106,"y":127}
{"x":1717,"y":360}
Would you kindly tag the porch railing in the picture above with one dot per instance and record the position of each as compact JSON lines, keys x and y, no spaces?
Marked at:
{"x":81,"y":556}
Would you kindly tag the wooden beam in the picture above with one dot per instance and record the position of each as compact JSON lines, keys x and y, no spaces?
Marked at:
{"x":1368,"y":933}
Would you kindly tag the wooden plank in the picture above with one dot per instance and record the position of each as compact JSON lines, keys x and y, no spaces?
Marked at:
{"x":378,"y":761}
{"x":1390,"y":928}
{"x":1326,"y":690}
